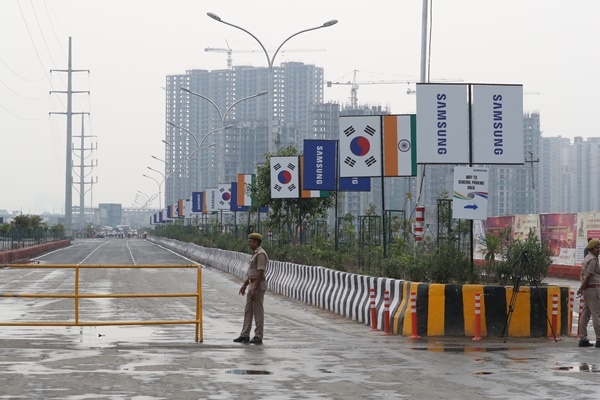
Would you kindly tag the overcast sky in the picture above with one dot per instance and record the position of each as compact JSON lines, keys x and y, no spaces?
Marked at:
{"x":129,"y":46}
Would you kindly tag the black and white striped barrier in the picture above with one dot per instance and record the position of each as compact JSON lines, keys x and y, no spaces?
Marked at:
{"x":441,"y":310}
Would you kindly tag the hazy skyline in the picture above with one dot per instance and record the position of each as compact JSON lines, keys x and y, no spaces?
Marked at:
{"x":131,"y":46}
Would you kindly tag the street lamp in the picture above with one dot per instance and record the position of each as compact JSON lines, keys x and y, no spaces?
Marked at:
{"x":172,"y":170}
{"x":222,"y":115}
{"x":145,"y":198}
{"x":188,"y":157}
{"x":159,"y":188}
{"x":198,"y":142}
{"x":270,"y":61}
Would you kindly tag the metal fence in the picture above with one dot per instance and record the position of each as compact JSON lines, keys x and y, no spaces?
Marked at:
{"x":19,"y":238}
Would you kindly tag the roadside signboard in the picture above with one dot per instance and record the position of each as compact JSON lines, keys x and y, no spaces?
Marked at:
{"x":470,"y":198}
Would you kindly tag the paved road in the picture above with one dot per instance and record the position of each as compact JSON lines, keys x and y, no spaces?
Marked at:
{"x":308,"y":353}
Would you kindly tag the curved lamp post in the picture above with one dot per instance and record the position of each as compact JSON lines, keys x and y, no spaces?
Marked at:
{"x":188,"y":157}
{"x":222,"y":115}
{"x":270,"y":61}
{"x":173,"y":169}
{"x":198,"y":142}
{"x":159,"y":188}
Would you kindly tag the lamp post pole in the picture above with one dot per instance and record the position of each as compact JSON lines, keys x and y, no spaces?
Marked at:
{"x":222,"y":115}
{"x":198,"y":144}
{"x":273,"y":142}
{"x":144,"y":194}
{"x":171,"y":169}
{"x":188,"y":157}
{"x":159,"y":189}
{"x":143,"y":199}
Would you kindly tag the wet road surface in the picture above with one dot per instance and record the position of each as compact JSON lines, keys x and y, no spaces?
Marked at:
{"x":308,"y":353}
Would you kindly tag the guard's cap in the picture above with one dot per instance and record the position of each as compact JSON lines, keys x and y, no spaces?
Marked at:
{"x":592,"y":243}
{"x":255,"y":235}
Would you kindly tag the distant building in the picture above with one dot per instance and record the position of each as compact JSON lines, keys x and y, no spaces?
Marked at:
{"x":109,"y":214}
{"x":297,"y":114}
{"x":554,"y":174}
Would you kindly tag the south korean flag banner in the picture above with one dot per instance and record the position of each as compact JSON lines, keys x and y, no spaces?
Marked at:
{"x":224,"y":197}
{"x":285,"y":182}
{"x":360,"y":146}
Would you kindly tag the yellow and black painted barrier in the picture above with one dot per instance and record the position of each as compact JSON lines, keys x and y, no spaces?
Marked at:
{"x":449,"y":310}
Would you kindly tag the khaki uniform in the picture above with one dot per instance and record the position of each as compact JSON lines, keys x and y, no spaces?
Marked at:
{"x":591,"y":293}
{"x":254,"y":309}
{"x":584,"y":317}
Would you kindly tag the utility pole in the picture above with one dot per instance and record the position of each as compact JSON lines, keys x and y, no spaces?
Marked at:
{"x":68,"y":153}
{"x":531,"y":161}
{"x":83,"y":156}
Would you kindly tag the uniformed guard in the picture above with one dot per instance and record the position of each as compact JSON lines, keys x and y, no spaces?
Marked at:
{"x":257,"y":286}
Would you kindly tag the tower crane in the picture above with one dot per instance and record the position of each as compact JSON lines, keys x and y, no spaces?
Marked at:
{"x":229,"y":51}
{"x":354,"y":85}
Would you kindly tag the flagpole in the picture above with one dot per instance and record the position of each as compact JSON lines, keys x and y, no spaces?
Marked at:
{"x":300,"y":201}
{"x":337,"y":188}
{"x":384,"y":234}
{"x":423,"y":79}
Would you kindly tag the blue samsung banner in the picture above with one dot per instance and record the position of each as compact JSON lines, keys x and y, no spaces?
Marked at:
{"x":319,"y":165}
{"x":197,"y":202}
{"x":355,"y":184}
{"x":233,"y":206}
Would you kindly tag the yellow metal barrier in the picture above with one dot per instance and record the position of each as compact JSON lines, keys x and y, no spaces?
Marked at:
{"x":76,"y":295}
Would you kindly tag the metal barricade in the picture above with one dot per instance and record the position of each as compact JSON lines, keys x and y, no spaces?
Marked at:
{"x":77,"y":296}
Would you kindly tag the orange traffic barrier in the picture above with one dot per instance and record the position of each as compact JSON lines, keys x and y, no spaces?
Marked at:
{"x":419,"y":222}
{"x":571,"y":311}
{"x":477,"y":316}
{"x":373,"y":310}
{"x":554,"y":316}
{"x":581,"y":306}
{"x":413,"y":313}
{"x":386,"y":312}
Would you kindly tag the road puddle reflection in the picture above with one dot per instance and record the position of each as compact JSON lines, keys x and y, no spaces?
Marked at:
{"x":468,"y":349}
{"x":247,"y":372}
{"x":583,"y":367}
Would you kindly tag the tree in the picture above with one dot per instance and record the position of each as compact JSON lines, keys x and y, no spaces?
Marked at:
{"x":287,"y":214}
{"x":23,"y":221}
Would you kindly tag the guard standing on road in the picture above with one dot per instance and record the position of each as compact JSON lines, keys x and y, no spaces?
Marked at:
{"x":584,"y":315}
{"x":257,"y":285}
{"x":590,"y":287}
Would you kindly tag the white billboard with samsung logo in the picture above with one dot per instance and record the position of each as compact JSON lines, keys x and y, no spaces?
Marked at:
{"x":442,"y":124}
{"x":443,"y":115}
{"x":497,"y":113}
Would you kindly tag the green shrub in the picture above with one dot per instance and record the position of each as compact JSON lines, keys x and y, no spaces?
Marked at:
{"x":529,"y":259}
{"x":424,"y":262}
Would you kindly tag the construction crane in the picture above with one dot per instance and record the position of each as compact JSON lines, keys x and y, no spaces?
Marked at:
{"x":354,"y":85}
{"x":229,"y":52}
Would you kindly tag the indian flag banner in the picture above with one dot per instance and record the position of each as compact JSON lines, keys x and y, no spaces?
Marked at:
{"x":310,"y":194}
{"x":244,"y":188}
{"x":180,"y":209}
{"x":399,"y":145}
